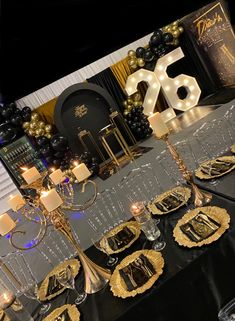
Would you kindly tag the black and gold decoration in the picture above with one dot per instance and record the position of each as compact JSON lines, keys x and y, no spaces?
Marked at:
{"x":135,"y":118}
{"x":11,"y":119}
{"x":161,"y":42}
{"x":51,"y":145}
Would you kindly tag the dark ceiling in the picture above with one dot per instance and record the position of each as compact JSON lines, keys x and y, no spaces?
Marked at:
{"x":44,"y":40}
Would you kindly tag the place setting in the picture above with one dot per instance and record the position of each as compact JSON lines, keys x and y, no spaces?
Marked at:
{"x":201,"y":226}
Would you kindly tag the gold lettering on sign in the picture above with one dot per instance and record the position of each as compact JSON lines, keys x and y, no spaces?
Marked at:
{"x":80,"y":111}
{"x":206,"y":23}
{"x":228,"y":54}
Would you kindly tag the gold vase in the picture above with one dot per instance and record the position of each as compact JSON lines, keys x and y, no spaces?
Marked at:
{"x":96,"y":277}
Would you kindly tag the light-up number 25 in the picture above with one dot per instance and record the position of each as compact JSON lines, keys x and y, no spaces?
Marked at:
{"x":159,"y":79}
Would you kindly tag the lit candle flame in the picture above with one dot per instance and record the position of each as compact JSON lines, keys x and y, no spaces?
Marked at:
{"x":24,"y":168}
{"x":44,"y":193}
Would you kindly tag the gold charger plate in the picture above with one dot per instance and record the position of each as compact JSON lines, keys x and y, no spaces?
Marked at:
{"x":117,"y":284}
{"x":217,"y":213}
{"x":199,"y":173}
{"x":233,"y":148}
{"x":185,"y":191}
{"x":42,"y":291}
{"x":132,"y":225}
{"x":73,"y":312}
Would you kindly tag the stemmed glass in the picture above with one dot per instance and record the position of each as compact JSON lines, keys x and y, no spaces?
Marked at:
{"x":101,"y":243}
{"x":66,"y":279}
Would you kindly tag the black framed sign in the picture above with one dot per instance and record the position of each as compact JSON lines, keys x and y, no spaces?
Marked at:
{"x":83,"y":106}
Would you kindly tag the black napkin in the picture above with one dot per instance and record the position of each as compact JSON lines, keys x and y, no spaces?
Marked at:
{"x":134,"y":275}
{"x":120,"y":239}
{"x":170,"y":202}
{"x":217,"y":168}
{"x":53,"y":285}
{"x":64,"y":315}
{"x":200,"y":227}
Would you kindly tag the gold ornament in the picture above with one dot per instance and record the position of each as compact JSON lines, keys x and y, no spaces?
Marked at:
{"x":48,"y":128}
{"x":26,"y":125}
{"x":41,"y":124}
{"x":35,"y":116}
{"x":131,"y":53}
{"x":33,"y":125}
{"x":140,"y":62}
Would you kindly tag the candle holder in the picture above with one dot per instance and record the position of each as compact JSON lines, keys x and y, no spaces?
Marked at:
{"x":96,"y":277}
{"x":200,"y":197}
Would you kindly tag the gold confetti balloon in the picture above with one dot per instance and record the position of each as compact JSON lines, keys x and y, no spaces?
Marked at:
{"x":41,"y":124}
{"x":48,"y":128}
{"x":35,"y":116}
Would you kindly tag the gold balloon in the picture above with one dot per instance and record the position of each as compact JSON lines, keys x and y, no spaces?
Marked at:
{"x":175,"y":23}
{"x":33,"y":125}
{"x":131,"y":53}
{"x":126,"y":112}
{"x":125,"y":103}
{"x":129,"y":107}
{"x":140,"y":62}
{"x":31,"y":132}
{"x":168,"y":29}
{"x":41,"y":124}
{"x":174,"y":28}
{"x":39,"y":132}
{"x":132,"y":62}
{"x":35,"y":116}
{"x":136,"y":103}
{"x":26,"y":125}
{"x":48,"y":135}
{"x":176,"y":33}
{"x":129,"y":101}
{"x":134,"y":66}
{"x":181,"y":29}
{"x":48,"y":128}
{"x":175,"y":42}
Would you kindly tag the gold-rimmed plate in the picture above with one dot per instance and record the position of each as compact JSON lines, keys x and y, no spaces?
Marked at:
{"x":217,"y":214}
{"x":60,"y":313}
{"x":133,"y":226}
{"x":183,"y":193}
{"x":43,"y":290}
{"x":233,"y":149}
{"x":117,"y":284}
{"x":208,"y":164}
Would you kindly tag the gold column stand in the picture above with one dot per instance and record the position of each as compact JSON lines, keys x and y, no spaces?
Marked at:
{"x":201,"y":198}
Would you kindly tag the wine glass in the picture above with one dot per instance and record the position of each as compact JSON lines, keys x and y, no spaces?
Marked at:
{"x":66,"y":278}
{"x":101,"y":243}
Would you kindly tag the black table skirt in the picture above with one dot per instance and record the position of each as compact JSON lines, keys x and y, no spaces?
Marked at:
{"x":194,"y":285}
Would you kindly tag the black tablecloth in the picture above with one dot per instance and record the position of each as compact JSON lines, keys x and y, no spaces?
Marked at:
{"x":194,"y":285}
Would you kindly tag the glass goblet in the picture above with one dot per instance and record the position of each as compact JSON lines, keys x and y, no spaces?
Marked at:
{"x":102,"y":246}
{"x":66,"y":279}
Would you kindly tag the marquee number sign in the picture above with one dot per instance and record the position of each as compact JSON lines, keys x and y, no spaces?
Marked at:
{"x":159,"y":79}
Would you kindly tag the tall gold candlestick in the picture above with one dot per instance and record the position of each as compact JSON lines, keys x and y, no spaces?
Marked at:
{"x":200,"y":197}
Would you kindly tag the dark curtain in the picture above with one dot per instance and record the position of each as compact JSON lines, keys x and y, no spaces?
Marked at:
{"x":107,"y":80}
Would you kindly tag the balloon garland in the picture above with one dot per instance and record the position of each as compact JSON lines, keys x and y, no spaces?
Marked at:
{"x":135,"y":118}
{"x":161,"y":42}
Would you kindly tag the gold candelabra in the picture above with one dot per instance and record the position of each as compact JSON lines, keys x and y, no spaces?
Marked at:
{"x":200,"y":197}
{"x":96,"y":277}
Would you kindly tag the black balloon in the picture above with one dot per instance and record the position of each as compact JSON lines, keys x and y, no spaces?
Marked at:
{"x":26,"y":117}
{"x":16,"y":120}
{"x":59,"y":154}
{"x":7,"y":133}
{"x":46,"y":150}
{"x":49,"y":159}
{"x":155,"y":40}
{"x":59,"y":142}
{"x":158,"y":33}
{"x":42,"y":141}
{"x":7,"y":112}
{"x":148,"y":55}
{"x":94,"y":168}
{"x":167,"y":37}
{"x":139,"y":52}
{"x":26,"y":110}
{"x":57,"y":162}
